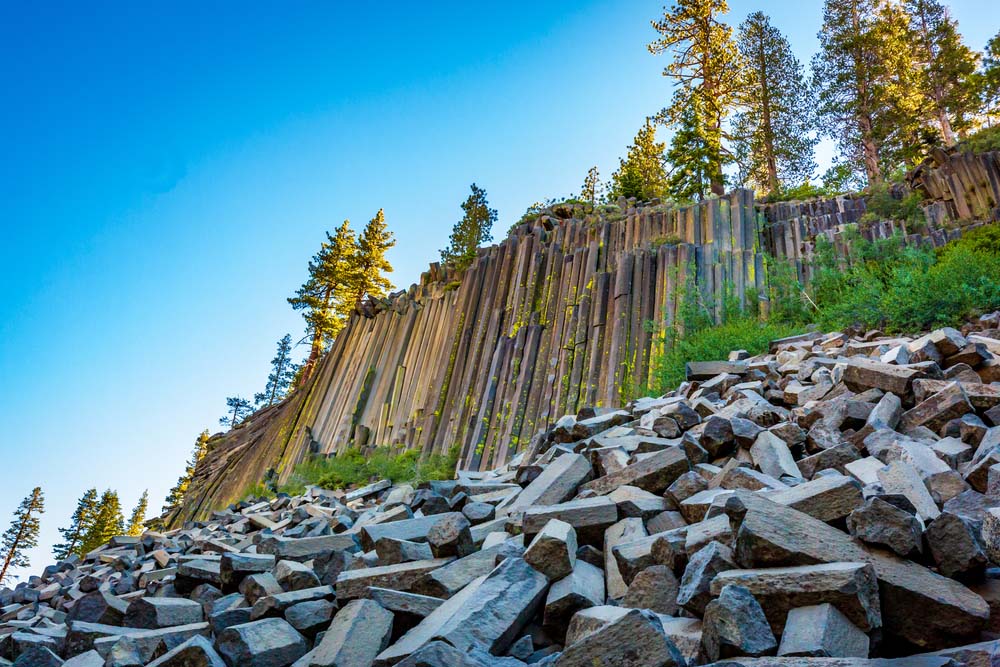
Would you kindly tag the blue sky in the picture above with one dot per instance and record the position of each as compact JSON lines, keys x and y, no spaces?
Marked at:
{"x":167,"y":173}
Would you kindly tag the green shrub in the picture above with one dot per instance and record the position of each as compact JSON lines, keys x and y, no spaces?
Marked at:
{"x":983,"y":141}
{"x":713,"y":343}
{"x":963,"y":282}
{"x":883,"y":203}
{"x":800,"y":192}
{"x":352,"y":467}
{"x":664,"y":239}
{"x":985,"y":238}
{"x":889,"y":285}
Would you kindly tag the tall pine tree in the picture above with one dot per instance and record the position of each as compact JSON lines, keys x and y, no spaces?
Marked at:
{"x":773,"y":137}
{"x":865,"y":78}
{"x":326,"y":295}
{"x":988,"y":81}
{"x":176,"y":495}
{"x":138,"y":516}
{"x":705,"y":65}
{"x":108,"y":522}
{"x":22,"y":534}
{"x":80,"y":523}
{"x":280,"y":379}
{"x":474,"y":229}
{"x":641,"y":174}
{"x":947,"y":67}
{"x":367,"y":278}
{"x":689,"y":157}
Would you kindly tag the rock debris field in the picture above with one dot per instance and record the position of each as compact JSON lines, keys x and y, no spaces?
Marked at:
{"x":835,"y":502}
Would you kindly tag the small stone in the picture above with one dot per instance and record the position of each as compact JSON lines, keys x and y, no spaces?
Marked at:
{"x":295,"y":576}
{"x":478,"y":513}
{"x":635,"y":639}
{"x":821,"y":631}
{"x":311,"y":616}
{"x":553,"y":550}
{"x":772,"y":456}
{"x":695,"y":586}
{"x":878,"y":522}
{"x":654,"y":588}
{"x":195,"y":652}
{"x":735,"y":625}
{"x":270,"y":642}
{"x":261,"y":585}
{"x":450,"y":536}
{"x":582,"y":589}
{"x":358,"y":633}
{"x":954,"y":547}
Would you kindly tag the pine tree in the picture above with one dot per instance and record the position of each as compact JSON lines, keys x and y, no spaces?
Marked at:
{"x":138,"y":516}
{"x":904,"y":136}
{"x":706,"y":66}
{"x":326,"y":295}
{"x":947,"y":67}
{"x":474,"y":229}
{"x":866,"y":84}
{"x":239,"y":410}
{"x":370,"y":264}
{"x":108,"y":522}
{"x":641,"y":174}
{"x":176,"y":495}
{"x":690,"y":175}
{"x":80,"y":523}
{"x":592,"y":190}
{"x":988,"y":81}
{"x":22,"y":534}
{"x":773,"y":131}
{"x":282,"y":376}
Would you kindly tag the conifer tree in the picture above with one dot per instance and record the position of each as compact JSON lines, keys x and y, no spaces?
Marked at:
{"x":592,"y":190}
{"x":367,"y":276}
{"x":138,"y":516}
{"x":947,"y":67}
{"x":22,"y":534}
{"x":773,"y":131}
{"x":641,"y":173}
{"x":903,"y":134}
{"x":326,"y":295}
{"x":706,"y":66}
{"x":474,"y":229}
{"x":176,"y":495}
{"x":865,"y":78}
{"x":108,"y":522}
{"x":80,"y":523}
{"x":988,"y":81}
{"x":690,"y":175}
{"x":282,"y":376}
{"x":239,"y":410}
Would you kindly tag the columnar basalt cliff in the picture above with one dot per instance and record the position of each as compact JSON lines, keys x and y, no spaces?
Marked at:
{"x":566,"y":312}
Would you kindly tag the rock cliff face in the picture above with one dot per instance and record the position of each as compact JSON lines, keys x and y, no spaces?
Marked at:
{"x":567,"y":311}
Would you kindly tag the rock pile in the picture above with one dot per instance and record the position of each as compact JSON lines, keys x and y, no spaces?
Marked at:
{"x":830,"y":502}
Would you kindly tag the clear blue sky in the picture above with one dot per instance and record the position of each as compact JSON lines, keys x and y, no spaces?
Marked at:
{"x":167,"y":172}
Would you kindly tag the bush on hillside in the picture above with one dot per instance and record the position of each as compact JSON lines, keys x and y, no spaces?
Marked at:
{"x":354,"y":468}
{"x":904,"y":288}
{"x":800,"y":192}
{"x":712,"y":343}
{"x":983,"y":141}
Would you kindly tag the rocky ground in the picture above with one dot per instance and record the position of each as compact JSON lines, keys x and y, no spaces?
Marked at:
{"x":834,"y":502}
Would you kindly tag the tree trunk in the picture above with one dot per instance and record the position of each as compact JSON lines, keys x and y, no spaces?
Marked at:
{"x":314,"y":352}
{"x":765,"y":96}
{"x":869,"y":150}
{"x":946,"y":131}
{"x":13,"y":550}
